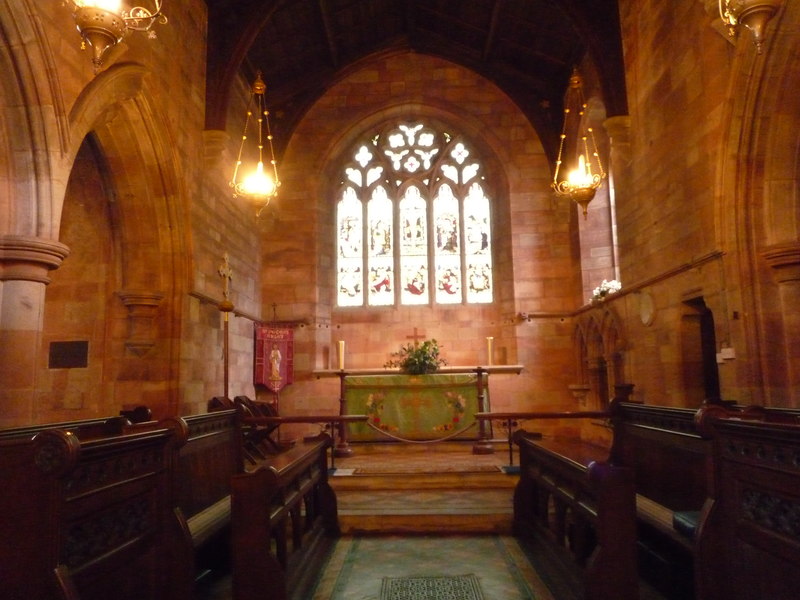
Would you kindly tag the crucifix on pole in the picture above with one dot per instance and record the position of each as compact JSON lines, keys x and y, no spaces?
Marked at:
{"x":226,"y":306}
{"x":416,"y":337}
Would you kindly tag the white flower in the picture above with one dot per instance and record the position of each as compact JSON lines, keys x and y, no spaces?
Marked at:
{"x":605,"y":288}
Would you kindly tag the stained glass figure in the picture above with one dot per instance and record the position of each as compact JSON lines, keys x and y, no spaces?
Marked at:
{"x":414,"y":216}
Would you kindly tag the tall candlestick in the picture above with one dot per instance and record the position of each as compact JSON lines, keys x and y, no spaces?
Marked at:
{"x":489,"y":353}
{"x":341,"y":355}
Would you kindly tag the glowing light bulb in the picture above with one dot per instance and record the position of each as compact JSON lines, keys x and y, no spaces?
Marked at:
{"x":582,"y":176}
{"x":113,"y":6}
{"x":258,"y":183}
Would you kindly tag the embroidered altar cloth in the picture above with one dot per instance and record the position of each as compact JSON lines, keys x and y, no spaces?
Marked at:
{"x":413,"y":407}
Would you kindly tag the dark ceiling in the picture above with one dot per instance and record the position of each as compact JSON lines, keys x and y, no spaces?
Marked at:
{"x":526,"y":47}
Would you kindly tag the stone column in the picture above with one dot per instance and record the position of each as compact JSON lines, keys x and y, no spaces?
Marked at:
{"x":784,"y":260}
{"x":24,"y":266}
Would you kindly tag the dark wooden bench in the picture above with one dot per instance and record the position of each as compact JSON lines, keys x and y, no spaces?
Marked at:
{"x":284,"y":514}
{"x":671,"y":460}
{"x":84,"y":429}
{"x":748,"y":543}
{"x":574,"y":509}
{"x":258,"y":441}
{"x":87,"y":518}
{"x":204,"y":466}
{"x":671,"y":455}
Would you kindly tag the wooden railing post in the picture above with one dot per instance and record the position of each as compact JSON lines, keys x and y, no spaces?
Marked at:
{"x":342,"y":447}
{"x":484,"y":444}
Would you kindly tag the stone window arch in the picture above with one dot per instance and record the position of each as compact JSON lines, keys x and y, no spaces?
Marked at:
{"x":413,"y":219}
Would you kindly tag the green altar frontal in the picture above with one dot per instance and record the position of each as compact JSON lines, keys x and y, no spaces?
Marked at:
{"x":414,"y":407}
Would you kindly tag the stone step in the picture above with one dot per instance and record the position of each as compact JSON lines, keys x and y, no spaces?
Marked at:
{"x":426,"y":510}
{"x":420,"y":481}
{"x":406,"y":488}
{"x":425,"y":503}
{"x":425,"y":524}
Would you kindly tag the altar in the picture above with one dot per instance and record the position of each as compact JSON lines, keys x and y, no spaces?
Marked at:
{"x":416,"y":408}
{"x":413,"y":407}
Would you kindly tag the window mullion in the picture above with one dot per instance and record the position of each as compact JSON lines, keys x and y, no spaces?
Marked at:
{"x":365,"y":197}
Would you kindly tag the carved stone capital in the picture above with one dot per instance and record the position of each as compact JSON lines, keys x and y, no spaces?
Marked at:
{"x":30,"y":258}
{"x":142,"y":308}
{"x":784,"y":259}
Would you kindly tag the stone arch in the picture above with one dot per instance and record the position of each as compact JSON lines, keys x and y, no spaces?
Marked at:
{"x":759,"y":209}
{"x":148,"y":228}
{"x":312,"y":151}
{"x":33,"y":130}
{"x":599,"y":346}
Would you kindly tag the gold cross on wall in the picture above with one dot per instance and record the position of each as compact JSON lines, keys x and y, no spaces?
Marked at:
{"x":416,"y":337}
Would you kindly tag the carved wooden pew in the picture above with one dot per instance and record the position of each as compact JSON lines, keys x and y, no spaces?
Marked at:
{"x":283,"y":512}
{"x":87,"y":519}
{"x":670,"y":459}
{"x":748,"y":543}
{"x":84,"y":429}
{"x":570,"y":504}
{"x":671,"y":455}
{"x":258,"y":443}
{"x":204,"y":467}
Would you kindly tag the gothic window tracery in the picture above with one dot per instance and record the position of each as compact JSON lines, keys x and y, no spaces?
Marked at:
{"x":413,"y":221}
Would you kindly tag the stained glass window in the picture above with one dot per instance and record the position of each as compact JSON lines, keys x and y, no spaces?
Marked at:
{"x":413,"y":221}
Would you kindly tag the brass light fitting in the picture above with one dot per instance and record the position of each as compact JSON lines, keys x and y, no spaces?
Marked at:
{"x":753,"y":14}
{"x":103,"y":23}
{"x":582,"y":182}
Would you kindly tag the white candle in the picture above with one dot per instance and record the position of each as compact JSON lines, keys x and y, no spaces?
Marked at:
{"x":489,"y":341}
{"x":341,"y":355}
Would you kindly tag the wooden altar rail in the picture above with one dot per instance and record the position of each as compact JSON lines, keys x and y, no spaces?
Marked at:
{"x":512,"y":419}
{"x":336,"y":423}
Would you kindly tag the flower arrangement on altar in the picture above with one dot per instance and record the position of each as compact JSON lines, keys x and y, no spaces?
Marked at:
{"x":417,"y":359}
{"x":604,"y":289}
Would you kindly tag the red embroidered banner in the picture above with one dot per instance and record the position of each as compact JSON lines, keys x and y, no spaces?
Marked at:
{"x":274,"y":356}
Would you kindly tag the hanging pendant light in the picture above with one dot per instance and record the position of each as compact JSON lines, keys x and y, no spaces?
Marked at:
{"x":257,"y":184}
{"x":103,"y":23}
{"x":753,"y":14}
{"x":582,"y":182}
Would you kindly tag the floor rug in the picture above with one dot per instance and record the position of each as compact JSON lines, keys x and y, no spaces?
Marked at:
{"x":458,"y":587}
{"x":359,"y":567}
